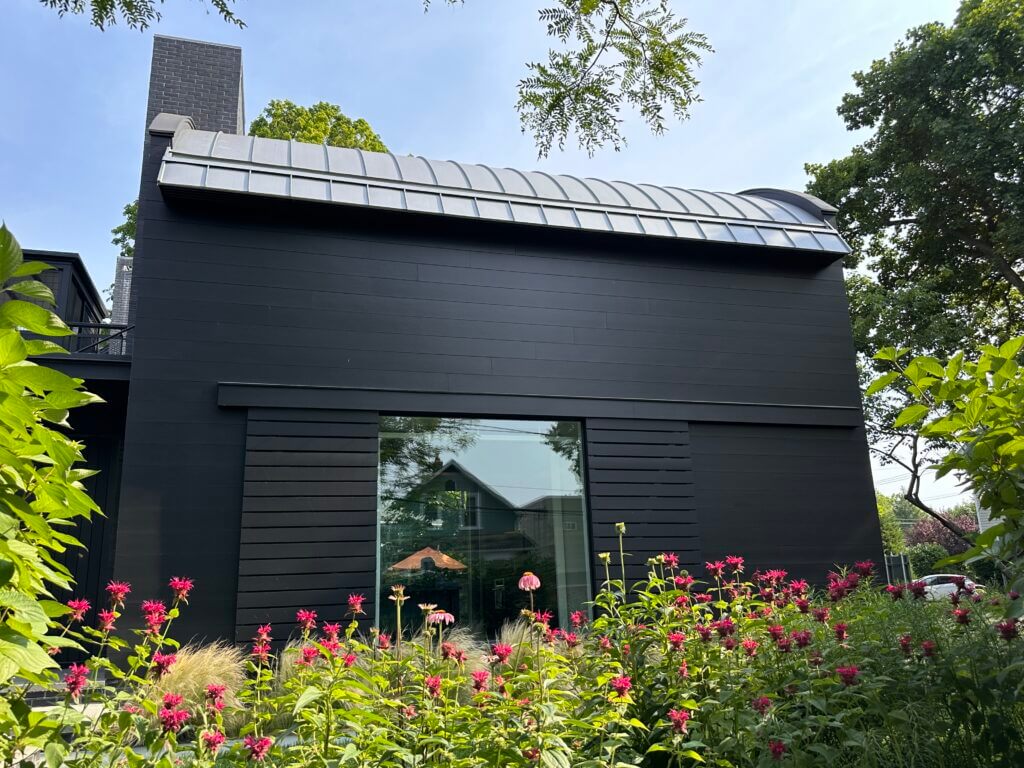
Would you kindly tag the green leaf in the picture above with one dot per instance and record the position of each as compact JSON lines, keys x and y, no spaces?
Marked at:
{"x":45,"y":347}
{"x":692,"y":755}
{"x":33,"y":289}
{"x":306,"y":698}
{"x":911,"y":414}
{"x":41,"y":379}
{"x":881,"y":382}
{"x":1011,"y":348}
{"x":32,"y":317}
{"x":12,"y":347}
{"x":6,"y":571}
{"x":931,"y":365}
{"x":55,"y":754}
{"x":10,"y":254}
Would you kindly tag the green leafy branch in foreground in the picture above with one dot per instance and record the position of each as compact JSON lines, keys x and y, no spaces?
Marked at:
{"x":41,"y":495}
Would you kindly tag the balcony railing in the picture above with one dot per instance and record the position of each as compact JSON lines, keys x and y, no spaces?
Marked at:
{"x":112,"y":339}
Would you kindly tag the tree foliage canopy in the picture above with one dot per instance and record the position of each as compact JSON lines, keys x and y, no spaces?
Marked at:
{"x":933,"y":202}
{"x":321,"y":123}
{"x":134,"y":14}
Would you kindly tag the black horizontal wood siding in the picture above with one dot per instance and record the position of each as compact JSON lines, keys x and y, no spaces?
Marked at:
{"x":389,"y":312}
{"x":309,"y":516}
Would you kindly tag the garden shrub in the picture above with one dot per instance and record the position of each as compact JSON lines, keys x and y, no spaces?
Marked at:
{"x":726,"y":670}
{"x":923,"y":557}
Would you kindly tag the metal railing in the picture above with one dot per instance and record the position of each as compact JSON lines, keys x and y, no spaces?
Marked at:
{"x":98,"y":339}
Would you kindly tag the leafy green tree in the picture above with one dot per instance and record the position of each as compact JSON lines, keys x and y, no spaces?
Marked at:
{"x":41,"y":496}
{"x":892,"y":531}
{"x":322,"y":123}
{"x":124,"y":233}
{"x":134,"y":14}
{"x":923,"y":558}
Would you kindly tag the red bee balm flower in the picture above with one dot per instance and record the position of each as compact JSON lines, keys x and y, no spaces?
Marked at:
{"x":776,"y":631}
{"x":212,"y":740}
{"x":735,"y":563}
{"x":905,"y":644}
{"x":803,"y":604}
{"x":355,"y":603}
{"x":263,"y":633}
{"x":480,"y":678}
{"x":715,"y":568}
{"x":172,"y":699}
{"x":820,"y":614}
{"x":750,"y":646}
{"x":162,"y":662}
{"x":261,"y":651}
{"x":1008,"y":629}
{"x":678,"y":718}
{"x":78,"y":609}
{"x":309,"y":656}
{"x":684,"y":670}
{"x":676,"y":640}
{"x":76,"y":679}
{"x":156,"y":613}
{"x":962,"y":616}
{"x":433,"y":685}
{"x":331,"y":630}
{"x":258,"y":747}
{"x":840,"y":629}
{"x":621,"y":685}
{"x":502,"y":651}
{"x":864,"y":567}
{"x":529,"y":582}
{"x":578,"y":618}
{"x":777,"y":748}
{"x":306,"y":620}
{"x":802,"y":637}
{"x":181,"y":587}
{"x":118,"y":591}
{"x":761,"y":704}
{"x":895,"y":590}
{"x":848,"y":675}
{"x":348,"y":659}
{"x":928,"y":648}
{"x":671,"y":559}
{"x":917,"y":589}
{"x":107,"y":619}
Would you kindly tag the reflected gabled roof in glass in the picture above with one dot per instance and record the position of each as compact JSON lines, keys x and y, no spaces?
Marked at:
{"x":270,"y":167}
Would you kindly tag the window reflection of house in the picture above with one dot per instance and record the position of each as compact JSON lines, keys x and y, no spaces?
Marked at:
{"x":555,"y":523}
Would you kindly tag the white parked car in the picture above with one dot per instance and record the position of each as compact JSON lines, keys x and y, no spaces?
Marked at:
{"x":941,"y":585}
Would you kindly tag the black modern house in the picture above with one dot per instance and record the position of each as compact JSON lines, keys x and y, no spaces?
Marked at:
{"x":340,"y":370}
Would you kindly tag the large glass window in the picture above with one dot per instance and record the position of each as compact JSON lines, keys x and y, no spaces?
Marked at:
{"x":465,"y":506}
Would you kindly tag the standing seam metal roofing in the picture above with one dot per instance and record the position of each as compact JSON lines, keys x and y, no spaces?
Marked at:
{"x":244,"y":164}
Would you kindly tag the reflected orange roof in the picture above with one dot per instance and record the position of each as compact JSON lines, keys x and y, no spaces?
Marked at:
{"x":414,"y":562}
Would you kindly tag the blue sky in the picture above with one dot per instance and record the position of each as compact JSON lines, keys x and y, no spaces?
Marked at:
{"x":440,"y":84}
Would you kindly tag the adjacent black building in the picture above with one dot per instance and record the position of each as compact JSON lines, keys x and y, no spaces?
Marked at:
{"x":336,"y":353}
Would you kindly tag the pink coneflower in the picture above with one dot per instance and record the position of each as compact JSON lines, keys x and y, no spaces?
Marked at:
{"x":355,"y":604}
{"x":308,"y":655}
{"x":181,"y":586}
{"x":263,"y":633}
{"x":502,"y":651}
{"x":735,"y":563}
{"x":761,"y":704}
{"x":802,"y":637}
{"x":679,"y":719}
{"x":76,"y":679}
{"x":433,"y":685}
{"x":671,"y":559}
{"x":480,"y":678}
{"x":848,"y":675}
{"x":802,"y":604}
{"x":906,"y":642}
{"x":212,"y":740}
{"x":820,"y":614}
{"x":864,"y":567}
{"x":331,"y":631}
{"x":162,"y":662}
{"x":578,"y":618}
{"x":917,"y":589}
{"x":261,"y":651}
{"x":840,"y":629}
{"x":895,"y":590}
{"x":750,"y":646}
{"x":305,"y":619}
{"x":78,"y":608}
{"x":107,"y":619}
{"x":621,"y":685}
{"x":716,"y":568}
{"x":440,"y":617}
{"x":962,"y":616}
{"x":529,"y":582}
{"x":676,"y":640}
{"x":258,"y":746}
{"x":118,"y":591}
{"x":1008,"y":629}
{"x":777,"y":748}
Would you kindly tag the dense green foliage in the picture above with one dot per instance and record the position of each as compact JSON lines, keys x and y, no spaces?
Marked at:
{"x":892,"y":531}
{"x":41,"y":495}
{"x":670,"y":672}
{"x":124,"y":233}
{"x":924,"y":556}
{"x":322,"y":123}
{"x":975,"y":410}
{"x":134,"y":14}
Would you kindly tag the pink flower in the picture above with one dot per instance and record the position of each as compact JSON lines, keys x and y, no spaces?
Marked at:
{"x":331,"y":630}
{"x":761,"y":704}
{"x":215,"y":696}
{"x":671,"y":559}
{"x":848,"y":675}
{"x":172,"y":719}
{"x":683,"y":582}
{"x":703,"y":631}
{"x":544,"y":617}
{"x":571,"y":639}
{"x":331,"y":646}
{"x":895,"y":590}
{"x":776,"y":631}
{"x":172,"y":699}
{"x":162,"y":662}
{"x":181,"y":586}
{"x":784,"y":644}
{"x":678,"y":718}
{"x":578,"y":618}
{"x":78,"y":609}
{"x":76,"y":679}
{"x":355,"y":603}
{"x":440,"y":617}
{"x":433,"y":685}
{"x":348,"y":659}
{"x":384,"y":641}
{"x":118,"y":591}
{"x":729,"y":643}
{"x":258,"y":747}
{"x":528,"y":582}
{"x":724,"y":627}
{"x":906,"y":642}
{"x":532,"y":754}
{"x":212,"y":740}
{"x":621,"y":685}
{"x":802,"y":637}
{"x":750,"y":646}
{"x":684,"y":670}
{"x":735,"y":563}
{"x":715,"y":568}
{"x":107,"y":619}
{"x":820,"y":614}
{"x":917,"y":589}
{"x":777,"y":748}
{"x":480,"y":678}
{"x":799,"y":586}
{"x":155,"y":613}
{"x":840,"y":629}
{"x":502,"y":651}
{"x":864,"y":567}
{"x":803,"y":604}
{"x":605,"y":642}
{"x":409,"y":712}
{"x":676,"y":640}
{"x":928,"y":648}
{"x":263,"y":633}
{"x":261,"y":651}
{"x":1008,"y":629}
{"x":309,"y":656}
{"x":306,"y":619}
{"x":962,"y":616}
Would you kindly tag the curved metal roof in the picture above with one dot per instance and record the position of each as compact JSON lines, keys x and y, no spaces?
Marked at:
{"x":244,"y":164}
